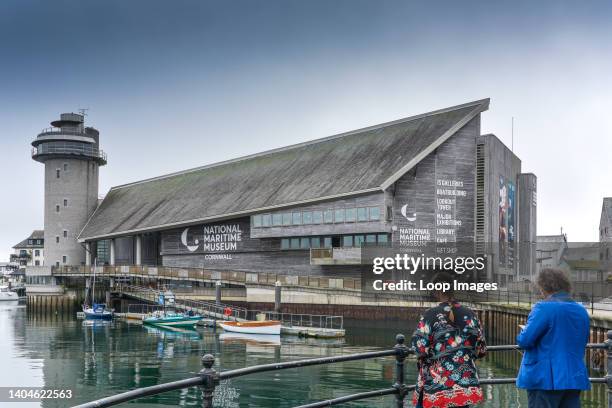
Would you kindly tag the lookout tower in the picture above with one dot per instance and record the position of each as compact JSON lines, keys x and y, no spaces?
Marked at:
{"x":71,"y":154}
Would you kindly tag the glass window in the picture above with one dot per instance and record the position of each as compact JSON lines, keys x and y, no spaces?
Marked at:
{"x":286,"y":218}
{"x":65,"y":202}
{"x":328,"y":216}
{"x":371,"y":239}
{"x":307,"y":217}
{"x":37,"y":252}
{"x":339,"y":215}
{"x":383,"y":238}
{"x":317,"y":217}
{"x":266,"y":220}
{"x":304,"y":243}
{"x":64,"y":259}
{"x":30,"y":241}
{"x":37,"y":263}
{"x":295,"y":243}
{"x":374,"y":213}
{"x":362,"y":214}
{"x":57,"y":239}
{"x":285,"y":243}
{"x":57,"y":173}
{"x":327,"y":242}
{"x":57,"y":208}
{"x":359,"y":239}
{"x":347,"y":241}
{"x":65,"y":234}
{"x":65,"y":166}
{"x":350,"y":215}
{"x":296,"y":218}
{"x":277,"y":219}
{"x":315,"y":242}
{"x":257,"y":221}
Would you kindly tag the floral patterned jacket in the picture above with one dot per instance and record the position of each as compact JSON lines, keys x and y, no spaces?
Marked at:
{"x":447,"y":340}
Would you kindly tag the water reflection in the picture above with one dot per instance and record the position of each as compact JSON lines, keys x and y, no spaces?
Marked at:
{"x":97,"y":359}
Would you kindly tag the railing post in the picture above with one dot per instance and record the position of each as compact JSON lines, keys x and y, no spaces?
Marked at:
{"x":210,"y":379}
{"x":609,"y":367}
{"x":401,"y":353}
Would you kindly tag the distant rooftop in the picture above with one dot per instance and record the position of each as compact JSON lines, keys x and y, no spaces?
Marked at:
{"x":35,"y":235}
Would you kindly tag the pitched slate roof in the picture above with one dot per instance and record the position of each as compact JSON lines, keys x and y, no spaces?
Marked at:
{"x":36,"y":234}
{"x":360,"y":161}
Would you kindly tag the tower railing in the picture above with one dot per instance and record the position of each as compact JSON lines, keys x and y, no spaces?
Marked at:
{"x":83,"y":150}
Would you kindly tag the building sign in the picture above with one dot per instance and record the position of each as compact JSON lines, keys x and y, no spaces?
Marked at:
{"x":511,"y":205}
{"x":507,"y":222}
{"x":503,"y":226}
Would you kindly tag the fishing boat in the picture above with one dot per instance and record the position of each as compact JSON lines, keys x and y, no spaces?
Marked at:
{"x":7,"y":294}
{"x":253,"y":327}
{"x":171,"y":319}
{"x":97,"y":311}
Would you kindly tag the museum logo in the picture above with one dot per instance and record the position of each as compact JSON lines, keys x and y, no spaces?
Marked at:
{"x":191,"y":248}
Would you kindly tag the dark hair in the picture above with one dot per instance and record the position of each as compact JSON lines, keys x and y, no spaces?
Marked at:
{"x":553,"y":281}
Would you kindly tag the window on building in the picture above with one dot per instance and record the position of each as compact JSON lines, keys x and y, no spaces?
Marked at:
{"x":37,"y":252}
{"x":285,"y":243}
{"x":370,"y":239}
{"x":65,"y":166}
{"x":57,"y":173}
{"x":57,"y":208}
{"x":328,"y":216}
{"x":317,"y":217}
{"x":30,"y":241}
{"x":266,"y":220}
{"x":347,"y":241}
{"x":315,"y":242}
{"x":37,"y":263}
{"x":256,"y":219}
{"x":65,"y":234}
{"x":64,"y":259}
{"x":296,"y":218}
{"x":65,"y":202}
{"x":39,"y":242}
{"x":277,"y":219}
{"x":307,"y":217}
{"x":327,"y":242}
{"x":304,"y":243}
{"x":57,"y":239}
{"x":350,"y":215}
{"x":388,"y":213}
{"x":23,"y":252}
{"x":57,"y":263}
{"x":359,"y":240}
{"x":287,"y":218}
{"x":362,"y":214}
{"x":295,"y":243}
{"x":383,"y":238}
{"x":374,"y":213}
{"x":339,"y":215}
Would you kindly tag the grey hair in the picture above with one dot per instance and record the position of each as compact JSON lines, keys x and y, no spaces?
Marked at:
{"x":553,"y":280}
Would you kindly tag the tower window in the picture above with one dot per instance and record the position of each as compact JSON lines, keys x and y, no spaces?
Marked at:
{"x":57,"y":173}
{"x":57,"y":239}
{"x":65,"y":166}
{"x":64,"y":259}
{"x":65,"y":234}
{"x":65,"y":202}
{"x":57,"y":208}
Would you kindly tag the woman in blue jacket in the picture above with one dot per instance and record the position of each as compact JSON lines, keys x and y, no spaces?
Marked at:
{"x":554,"y":340}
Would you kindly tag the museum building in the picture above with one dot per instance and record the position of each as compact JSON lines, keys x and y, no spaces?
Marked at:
{"x":310,"y":208}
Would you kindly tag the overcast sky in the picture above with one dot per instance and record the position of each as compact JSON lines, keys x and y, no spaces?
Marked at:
{"x":179,"y":84}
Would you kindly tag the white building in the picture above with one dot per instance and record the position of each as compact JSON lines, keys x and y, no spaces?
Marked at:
{"x":30,"y":251}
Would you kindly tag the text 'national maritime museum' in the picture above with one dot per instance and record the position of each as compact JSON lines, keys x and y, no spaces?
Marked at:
{"x":309,"y":209}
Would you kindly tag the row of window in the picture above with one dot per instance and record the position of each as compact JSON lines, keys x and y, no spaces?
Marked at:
{"x":337,"y":215}
{"x":57,"y":238}
{"x":35,"y":241}
{"x":57,"y":206}
{"x":57,"y":171}
{"x":328,"y":242}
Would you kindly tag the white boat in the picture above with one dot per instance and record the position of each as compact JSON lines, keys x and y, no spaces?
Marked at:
{"x":7,"y":294}
{"x":253,"y":327}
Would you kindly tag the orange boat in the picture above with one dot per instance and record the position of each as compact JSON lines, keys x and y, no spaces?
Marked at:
{"x":253,"y":327}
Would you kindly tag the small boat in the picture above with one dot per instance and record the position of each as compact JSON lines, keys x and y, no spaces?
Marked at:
{"x":253,"y":327}
{"x":97,"y":311}
{"x":166,"y":319}
{"x":7,"y":294}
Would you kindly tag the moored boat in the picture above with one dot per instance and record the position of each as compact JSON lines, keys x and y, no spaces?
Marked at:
{"x":252,"y":327}
{"x":171,"y":319}
{"x":97,"y":311}
{"x":7,"y":294}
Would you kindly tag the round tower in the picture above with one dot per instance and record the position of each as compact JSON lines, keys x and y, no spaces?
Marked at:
{"x":71,"y":155}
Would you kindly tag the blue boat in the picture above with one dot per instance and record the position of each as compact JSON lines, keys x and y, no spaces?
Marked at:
{"x":98,"y":311}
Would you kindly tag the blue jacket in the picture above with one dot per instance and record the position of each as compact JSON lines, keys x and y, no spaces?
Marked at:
{"x":554,"y":341}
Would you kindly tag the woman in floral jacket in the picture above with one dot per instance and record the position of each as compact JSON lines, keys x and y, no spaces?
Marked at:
{"x":447,"y":340}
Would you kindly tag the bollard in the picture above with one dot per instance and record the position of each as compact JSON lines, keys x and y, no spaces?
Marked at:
{"x":609,"y":367}
{"x":210,"y":379}
{"x":277,"y":297}
{"x":402,"y":352}
{"x":218,"y":292}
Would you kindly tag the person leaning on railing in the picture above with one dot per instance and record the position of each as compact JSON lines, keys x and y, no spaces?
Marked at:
{"x":554,"y":339}
{"x":447,"y":340}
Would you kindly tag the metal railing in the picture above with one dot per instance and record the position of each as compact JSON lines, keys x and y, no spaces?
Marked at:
{"x":209,"y":378}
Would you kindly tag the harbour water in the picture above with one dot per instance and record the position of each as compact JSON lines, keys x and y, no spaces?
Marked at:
{"x":97,"y":359}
